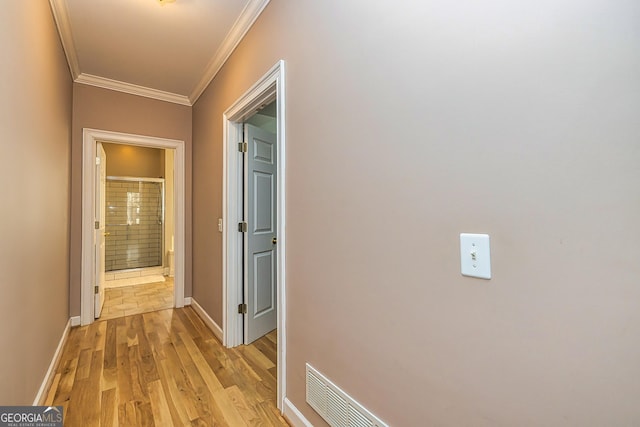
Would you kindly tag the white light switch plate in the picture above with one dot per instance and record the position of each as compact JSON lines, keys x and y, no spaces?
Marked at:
{"x":475,"y":255}
{"x":220,"y":225}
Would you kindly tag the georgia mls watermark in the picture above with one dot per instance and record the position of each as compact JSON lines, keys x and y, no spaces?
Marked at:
{"x":30,"y":416}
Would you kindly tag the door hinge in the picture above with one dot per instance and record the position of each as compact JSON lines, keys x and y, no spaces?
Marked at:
{"x":97,"y":160}
{"x":96,"y":225}
{"x":242,"y":308}
{"x":243,"y":227}
{"x":243,"y":147}
{"x":96,"y":289}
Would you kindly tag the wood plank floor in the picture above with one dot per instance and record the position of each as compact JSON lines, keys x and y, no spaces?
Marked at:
{"x":164,"y":368}
{"x":128,"y":300}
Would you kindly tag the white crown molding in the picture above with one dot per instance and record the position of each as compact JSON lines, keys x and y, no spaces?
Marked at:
{"x":61,"y":16}
{"x":241,"y":26}
{"x":132,"y":89}
{"x":249,"y":14}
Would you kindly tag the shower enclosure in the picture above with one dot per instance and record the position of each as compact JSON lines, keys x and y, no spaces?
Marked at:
{"x":134,"y":223}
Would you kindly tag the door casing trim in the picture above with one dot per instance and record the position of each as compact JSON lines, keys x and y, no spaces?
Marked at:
{"x":271,"y":86}
{"x":89,"y":139}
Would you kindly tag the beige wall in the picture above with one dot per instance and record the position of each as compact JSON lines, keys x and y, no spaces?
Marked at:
{"x":35,"y":117}
{"x":129,"y":160}
{"x":408,"y":125}
{"x":104,"y":109}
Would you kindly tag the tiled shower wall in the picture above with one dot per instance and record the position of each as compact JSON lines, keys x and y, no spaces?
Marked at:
{"x":134,"y":224}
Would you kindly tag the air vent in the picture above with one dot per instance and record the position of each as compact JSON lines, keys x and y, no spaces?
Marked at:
{"x":334,"y":405}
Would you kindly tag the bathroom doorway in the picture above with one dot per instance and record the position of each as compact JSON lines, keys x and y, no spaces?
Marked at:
{"x":92,"y":229}
{"x":139,"y":230}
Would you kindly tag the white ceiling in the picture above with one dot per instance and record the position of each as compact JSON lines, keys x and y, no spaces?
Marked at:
{"x":165,"y":51}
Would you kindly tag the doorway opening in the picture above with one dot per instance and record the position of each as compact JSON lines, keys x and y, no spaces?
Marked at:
{"x":139,"y":230}
{"x":251,"y":237}
{"x":133,"y":223}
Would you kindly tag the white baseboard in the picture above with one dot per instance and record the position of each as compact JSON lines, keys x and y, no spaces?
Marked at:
{"x":48,"y":378}
{"x":75,"y":321}
{"x":294,"y":416}
{"x":217,"y":330}
{"x":187,"y":300}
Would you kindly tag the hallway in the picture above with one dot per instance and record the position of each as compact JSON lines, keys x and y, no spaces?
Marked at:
{"x":164,"y":368}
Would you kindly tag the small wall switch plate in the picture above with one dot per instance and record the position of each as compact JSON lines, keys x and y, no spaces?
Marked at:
{"x":220,"y":225}
{"x":475,"y":255}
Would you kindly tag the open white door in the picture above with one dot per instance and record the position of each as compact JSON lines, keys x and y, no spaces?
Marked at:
{"x":260,"y":254}
{"x":100,"y":230}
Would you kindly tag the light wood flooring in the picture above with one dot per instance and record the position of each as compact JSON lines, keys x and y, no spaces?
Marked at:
{"x":128,"y":300}
{"x":164,"y":368}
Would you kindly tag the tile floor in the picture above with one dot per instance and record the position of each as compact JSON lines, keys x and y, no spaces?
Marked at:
{"x":130,"y":281}
{"x":128,"y":300}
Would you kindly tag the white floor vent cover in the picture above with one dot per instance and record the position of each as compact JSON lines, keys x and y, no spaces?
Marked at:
{"x":334,"y":405}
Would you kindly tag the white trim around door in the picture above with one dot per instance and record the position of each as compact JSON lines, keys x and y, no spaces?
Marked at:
{"x":89,"y":139}
{"x":268,"y":88}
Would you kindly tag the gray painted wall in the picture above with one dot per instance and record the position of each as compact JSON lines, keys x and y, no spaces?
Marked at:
{"x":410,"y":123}
{"x":35,"y":124}
{"x":104,"y":109}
